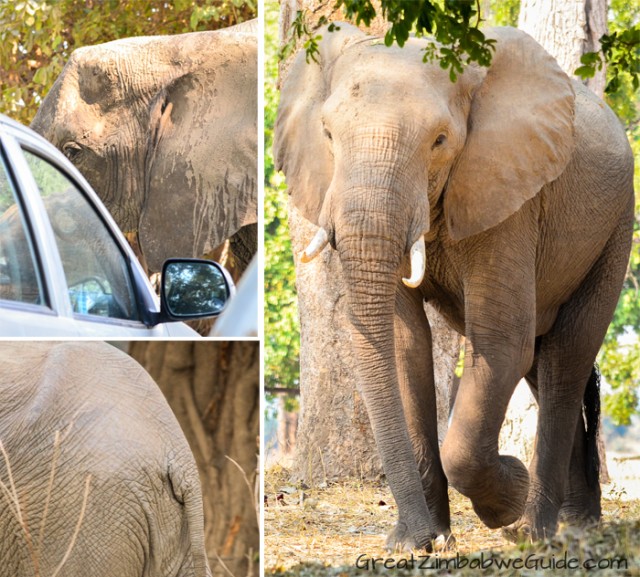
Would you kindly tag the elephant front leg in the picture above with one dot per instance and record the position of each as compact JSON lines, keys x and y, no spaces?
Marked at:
{"x":496,"y":484}
{"x":415,"y":376}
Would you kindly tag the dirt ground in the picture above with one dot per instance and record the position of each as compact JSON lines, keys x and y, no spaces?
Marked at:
{"x":338,"y":529}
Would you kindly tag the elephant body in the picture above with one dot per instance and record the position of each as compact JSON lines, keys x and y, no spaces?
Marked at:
{"x":505,"y":199}
{"x":124,"y":497}
{"x":165,"y":129}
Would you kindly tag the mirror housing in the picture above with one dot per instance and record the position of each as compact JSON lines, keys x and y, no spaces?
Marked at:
{"x":193,"y":289}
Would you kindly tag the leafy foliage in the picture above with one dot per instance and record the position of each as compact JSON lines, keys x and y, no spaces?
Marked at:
{"x":502,"y":12}
{"x":453,"y":24}
{"x":621,"y":51}
{"x":282,"y":332}
{"x":38,"y":36}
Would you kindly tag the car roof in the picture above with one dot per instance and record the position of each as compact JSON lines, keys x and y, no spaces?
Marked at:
{"x":40,"y":142}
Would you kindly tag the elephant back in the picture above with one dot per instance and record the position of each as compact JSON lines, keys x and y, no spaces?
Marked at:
{"x":94,"y":459}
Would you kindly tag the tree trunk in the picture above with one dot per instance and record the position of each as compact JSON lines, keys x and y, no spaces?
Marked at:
{"x":334,"y":435}
{"x":213,"y":390}
{"x":287,"y":430}
{"x":567,"y":29}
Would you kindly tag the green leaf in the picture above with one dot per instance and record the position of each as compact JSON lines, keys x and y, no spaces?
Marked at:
{"x":585,"y":71}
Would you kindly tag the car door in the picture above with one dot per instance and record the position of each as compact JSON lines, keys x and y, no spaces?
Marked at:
{"x":77,"y":277}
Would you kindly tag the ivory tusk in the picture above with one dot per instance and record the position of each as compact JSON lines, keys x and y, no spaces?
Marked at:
{"x":315,"y":247}
{"x":418,"y":263}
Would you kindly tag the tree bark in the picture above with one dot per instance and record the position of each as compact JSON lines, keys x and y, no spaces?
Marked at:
{"x":213,"y":390}
{"x":334,"y":435}
{"x":567,"y":29}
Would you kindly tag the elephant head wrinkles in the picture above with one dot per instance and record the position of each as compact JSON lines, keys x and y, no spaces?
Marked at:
{"x":165,"y":130}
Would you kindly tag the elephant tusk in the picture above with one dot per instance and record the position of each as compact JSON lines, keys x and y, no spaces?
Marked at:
{"x":418,"y":264}
{"x":319,"y":241}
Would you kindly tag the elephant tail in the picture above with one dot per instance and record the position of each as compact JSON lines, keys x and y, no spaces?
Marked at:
{"x":185,"y":484}
{"x":591,"y":410}
{"x":194,"y":510}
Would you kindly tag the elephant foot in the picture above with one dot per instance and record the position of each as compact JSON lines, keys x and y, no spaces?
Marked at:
{"x":524,"y":531}
{"x":581,"y":510}
{"x":507,"y":501}
{"x":538,"y":522}
{"x":400,"y":540}
{"x":517,"y":533}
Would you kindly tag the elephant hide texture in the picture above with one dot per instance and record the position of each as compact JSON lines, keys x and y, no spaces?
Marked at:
{"x":96,"y":473}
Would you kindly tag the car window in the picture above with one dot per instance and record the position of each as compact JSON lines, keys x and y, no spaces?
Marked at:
{"x":95,"y":268}
{"x":19,"y":279}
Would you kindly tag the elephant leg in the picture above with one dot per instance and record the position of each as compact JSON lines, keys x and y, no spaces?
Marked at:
{"x":582,"y":499}
{"x":581,"y":504}
{"x":497,"y":485}
{"x":417,"y":390}
{"x":565,"y":369}
{"x":244,"y":245}
{"x":500,"y":337}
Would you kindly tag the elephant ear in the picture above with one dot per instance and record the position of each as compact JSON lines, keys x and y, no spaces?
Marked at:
{"x":201,"y":155}
{"x":301,"y":149}
{"x":520,"y":135}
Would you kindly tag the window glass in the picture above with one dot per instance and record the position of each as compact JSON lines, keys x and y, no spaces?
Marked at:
{"x":96,"y":270}
{"x":19,"y":279}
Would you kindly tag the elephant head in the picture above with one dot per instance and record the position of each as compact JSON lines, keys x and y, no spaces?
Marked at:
{"x":385,"y":153}
{"x":164,"y":129}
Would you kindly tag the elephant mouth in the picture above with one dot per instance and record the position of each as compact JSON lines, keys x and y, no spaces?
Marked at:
{"x":417,"y":255}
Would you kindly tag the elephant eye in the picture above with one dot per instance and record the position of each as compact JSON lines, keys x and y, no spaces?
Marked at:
{"x":72,"y":151}
{"x":440,"y":140}
{"x":327,"y":134}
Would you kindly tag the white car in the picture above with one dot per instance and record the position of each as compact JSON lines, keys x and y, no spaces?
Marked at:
{"x":240,"y":318}
{"x":65,"y":267}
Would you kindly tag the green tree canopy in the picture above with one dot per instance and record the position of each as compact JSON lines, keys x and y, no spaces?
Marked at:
{"x":455,"y":26}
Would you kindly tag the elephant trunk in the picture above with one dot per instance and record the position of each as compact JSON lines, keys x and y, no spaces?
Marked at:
{"x":370,"y":261}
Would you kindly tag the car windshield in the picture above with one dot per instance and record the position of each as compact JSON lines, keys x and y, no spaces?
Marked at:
{"x":95,"y":268}
{"x":19,"y":279}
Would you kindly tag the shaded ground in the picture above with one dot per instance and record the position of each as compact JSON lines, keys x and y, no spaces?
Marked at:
{"x":325,"y":530}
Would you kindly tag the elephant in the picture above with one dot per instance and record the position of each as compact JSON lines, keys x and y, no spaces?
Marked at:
{"x":165,"y":130}
{"x":505,"y":199}
{"x":96,"y":476}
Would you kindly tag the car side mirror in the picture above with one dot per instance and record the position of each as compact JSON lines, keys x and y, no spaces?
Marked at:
{"x":193,"y":289}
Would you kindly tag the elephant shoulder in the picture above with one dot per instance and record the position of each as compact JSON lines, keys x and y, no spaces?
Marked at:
{"x":599,"y":133}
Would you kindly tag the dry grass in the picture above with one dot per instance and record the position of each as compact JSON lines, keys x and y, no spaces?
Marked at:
{"x":323,"y":530}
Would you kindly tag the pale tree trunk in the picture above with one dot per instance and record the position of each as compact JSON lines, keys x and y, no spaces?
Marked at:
{"x":213,"y":389}
{"x":334,"y":436}
{"x":566,"y":29}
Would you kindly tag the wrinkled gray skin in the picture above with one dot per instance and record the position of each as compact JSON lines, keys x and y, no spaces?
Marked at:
{"x":164,"y":128}
{"x":144,"y":515}
{"x":520,"y":181}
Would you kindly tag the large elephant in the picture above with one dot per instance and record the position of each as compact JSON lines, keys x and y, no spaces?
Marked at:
{"x":506,"y":200}
{"x":96,"y":475}
{"x":165,"y":129}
